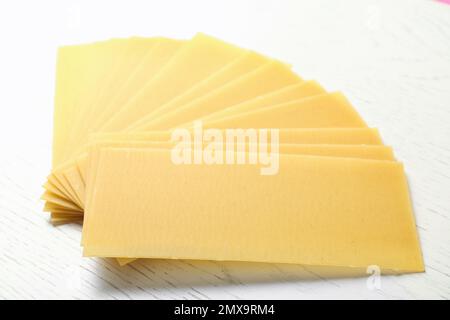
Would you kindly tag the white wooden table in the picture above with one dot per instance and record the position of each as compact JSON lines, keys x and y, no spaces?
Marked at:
{"x":392,"y":59}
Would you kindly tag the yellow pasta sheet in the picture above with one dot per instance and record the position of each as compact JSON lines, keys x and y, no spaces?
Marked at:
{"x":315,"y":211}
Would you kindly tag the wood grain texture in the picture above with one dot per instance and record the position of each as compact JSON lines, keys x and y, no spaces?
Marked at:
{"x":391,"y":58}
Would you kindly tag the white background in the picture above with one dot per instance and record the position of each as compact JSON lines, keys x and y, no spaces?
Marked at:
{"x":391,"y":58}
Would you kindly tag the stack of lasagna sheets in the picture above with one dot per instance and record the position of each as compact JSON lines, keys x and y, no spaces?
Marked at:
{"x":199,"y":149}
